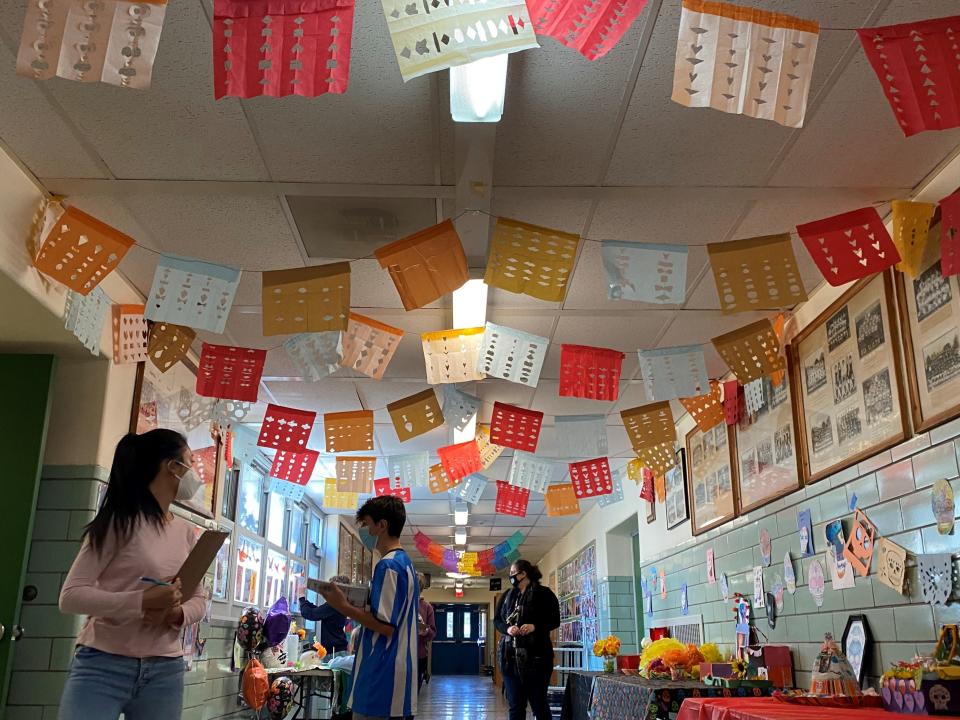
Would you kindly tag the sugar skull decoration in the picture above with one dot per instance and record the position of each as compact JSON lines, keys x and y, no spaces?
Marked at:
{"x":778,"y":593}
{"x":805,"y":530}
{"x":943,"y":507}
{"x":939,"y":697}
{"x":724,"y":586}
{"x":892,"y":562}
{"x":280,"y":699}
{"x":790,"y":577}
{"x":859,"y":548}
{"x":815,"y":582}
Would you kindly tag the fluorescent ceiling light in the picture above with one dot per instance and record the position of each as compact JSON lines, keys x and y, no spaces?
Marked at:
{"x":460,"y":536}
{"x":460,"y":515}
{"x":469,"y":432}
{"x":477,"y":89}
{"x":470,"y":305}
{"x":457,"y":575}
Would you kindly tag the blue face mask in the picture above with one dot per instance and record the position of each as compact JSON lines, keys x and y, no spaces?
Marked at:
{"x":369,"y":541}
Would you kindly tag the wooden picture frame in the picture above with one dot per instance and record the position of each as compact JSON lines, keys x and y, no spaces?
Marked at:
{"x":676,"y":506}
{"x":768,"y":467}
{"x":849,"y":353}
{"x":930,"y":326}
{"x":156,"y":400}
{"x":857,"y":644}
{"x":711,"y":469}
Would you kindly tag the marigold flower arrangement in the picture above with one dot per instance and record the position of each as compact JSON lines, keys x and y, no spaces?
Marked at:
{"x":669,"y":658}
{"x":608,"y":648}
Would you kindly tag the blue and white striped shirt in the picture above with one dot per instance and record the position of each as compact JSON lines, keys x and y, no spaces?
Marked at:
{"x":385,"y":669}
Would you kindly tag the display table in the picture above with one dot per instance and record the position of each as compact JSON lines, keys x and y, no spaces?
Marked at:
{"x":599,"y":696}
{"x":749,"y":708}
{"x":319,"y":682}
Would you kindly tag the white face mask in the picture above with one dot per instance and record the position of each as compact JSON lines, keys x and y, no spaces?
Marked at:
{"x":189,"y":484}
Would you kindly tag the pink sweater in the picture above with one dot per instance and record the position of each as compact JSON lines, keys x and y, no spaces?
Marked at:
{"x":107,"y":588}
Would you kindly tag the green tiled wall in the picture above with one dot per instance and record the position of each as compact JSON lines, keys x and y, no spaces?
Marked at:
{"x":617,"y":610}
{"x":893,"y":489}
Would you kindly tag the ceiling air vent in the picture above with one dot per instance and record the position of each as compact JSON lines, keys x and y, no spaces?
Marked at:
{"x":334,"y":228}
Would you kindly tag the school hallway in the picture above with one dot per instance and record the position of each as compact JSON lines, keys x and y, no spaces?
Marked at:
{"x":461,"y":697}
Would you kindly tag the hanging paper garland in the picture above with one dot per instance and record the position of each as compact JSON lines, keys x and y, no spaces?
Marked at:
{"x":79,"y":251}
{"x":230,"y":373}
{"x":426,"y":266}
{"x":512,"y":500}
{"x":591,"y":27}
{"x":294,"y":466}
{"x":369,"y":345}
{"x":286,"y":428}
{"x":706,"y":410}
{"x":562,"y":500}
{"x":84,"y":316}
{"x":530,"y":472}
{"x":650,"y":424}
{"x":849,"y":246}
{"x":438,"y":480}
{"x":581,"y":436}
{"x":436,"y":36}
{"x":591,"y":477}
{"x":515,"y":427}
{"x":950,"y":235}
{"x":130,"y":331}
{"x":300,"y":300}
{"x":411,"y":470}
{"x":514,"y":355}
{"x":383,"y":486}
{"x":756,"y":274}
{"x":531,"y":260}
{"x":472,"y":488}
{"x":460,"y":460}
{"x":751,"y":351}
{"x":194,"y":293}
{"x":616,"y":495}
{"x":489,"y":452}
{"x":355,"y":474}
{"x":347,"y":431}
{"x":452,"y":356}
{"x":112,"y":41}
{"x":315,"y":355}
{"x":281,"y":47}
{"x":642,"y":272}
{"x":590,"y":372}
{"x":415,"y":415}
{"x":673,"y":372}
{"x":915,"y":64}
{"x":745,"y":61}
{"x":731,"y":401}
{"x":459,"y":408}
{"x":169,"y":344}
{"x":911,"y":225}
{"x":334,"y":499}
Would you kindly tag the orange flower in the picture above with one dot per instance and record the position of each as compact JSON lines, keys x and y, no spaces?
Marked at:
{"x":321,"y":650}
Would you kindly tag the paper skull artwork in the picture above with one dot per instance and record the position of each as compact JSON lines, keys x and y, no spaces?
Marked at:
{"x":778,"y":593}
{"x":939,"y":697}
{"x":942,"y":504}
{"x":805,"y":530}
{"x":724,"y":586}
{"x":892,"y":562}
{"x":816,"y":582}
{"x":936,"y":577}
{"x":859,"y":548}
{"x":790,"y":577}
{"x":765,"y":547}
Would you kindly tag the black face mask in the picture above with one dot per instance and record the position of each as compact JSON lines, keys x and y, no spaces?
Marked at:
{"x":514,"y":580}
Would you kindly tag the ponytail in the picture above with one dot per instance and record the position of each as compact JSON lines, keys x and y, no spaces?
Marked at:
{"x":136,"y":462}
{"x":532,"y":571}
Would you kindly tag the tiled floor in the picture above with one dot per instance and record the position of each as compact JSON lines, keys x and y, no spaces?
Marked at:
{"x":455,"y":697}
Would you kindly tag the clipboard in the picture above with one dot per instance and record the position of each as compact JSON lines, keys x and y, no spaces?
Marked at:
{"x":357,"y":595}
{"x":199,"y":560}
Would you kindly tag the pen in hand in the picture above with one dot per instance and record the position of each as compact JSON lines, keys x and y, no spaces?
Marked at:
{"x":154,"y":581}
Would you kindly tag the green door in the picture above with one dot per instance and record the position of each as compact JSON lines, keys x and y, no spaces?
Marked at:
{"x":25,"y":382}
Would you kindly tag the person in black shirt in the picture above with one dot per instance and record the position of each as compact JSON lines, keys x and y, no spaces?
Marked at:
{"x":332,"y":621}
{"x":526,"y":615}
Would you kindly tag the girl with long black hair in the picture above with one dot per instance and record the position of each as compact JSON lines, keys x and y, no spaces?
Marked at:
{"x":128,"y":658}
{"x":526,"y":615}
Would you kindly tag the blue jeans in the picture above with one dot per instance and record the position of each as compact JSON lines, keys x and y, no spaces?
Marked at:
{"x":103,"y":686}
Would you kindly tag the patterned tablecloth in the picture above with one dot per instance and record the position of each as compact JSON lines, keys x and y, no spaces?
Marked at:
{"x":597,"y":696}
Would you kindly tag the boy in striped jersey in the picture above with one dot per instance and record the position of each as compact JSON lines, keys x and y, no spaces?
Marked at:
{"x":385,"y":669}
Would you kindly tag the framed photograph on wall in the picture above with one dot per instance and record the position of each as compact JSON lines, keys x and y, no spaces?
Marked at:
{"x":846,"y":380}
{"x":166,"y":400}
{"x":767,"y":449}
{"x":711,"y":485}
{"x":930,"y":317}
{"x":676,"y":508}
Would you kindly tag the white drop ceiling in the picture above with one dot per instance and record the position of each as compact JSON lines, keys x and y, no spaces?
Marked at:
{"x":592,"y":148}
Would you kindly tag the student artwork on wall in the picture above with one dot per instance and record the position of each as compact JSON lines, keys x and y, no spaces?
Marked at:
{"x":816,"y":582}
{"x":943,"y":506}
{"x":930,"y":318}
{"x":892,"y":564}
{"x":765,"y":547}
{"x":711,"y":477}
{"x":935,"y":573}
{"x":767,"y":448}
{"x":858,"y":550}
{"x":759,"y":597}
{"x":789,"y":576}
{"x":805,"y":533}
{"x":676,"y":507}
{"x":846,"y":377}
{"x":857,"y":644}
{"x":711,"y":567}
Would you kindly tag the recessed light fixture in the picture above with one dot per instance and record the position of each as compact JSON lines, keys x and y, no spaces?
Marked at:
{"x":477,"y":89}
